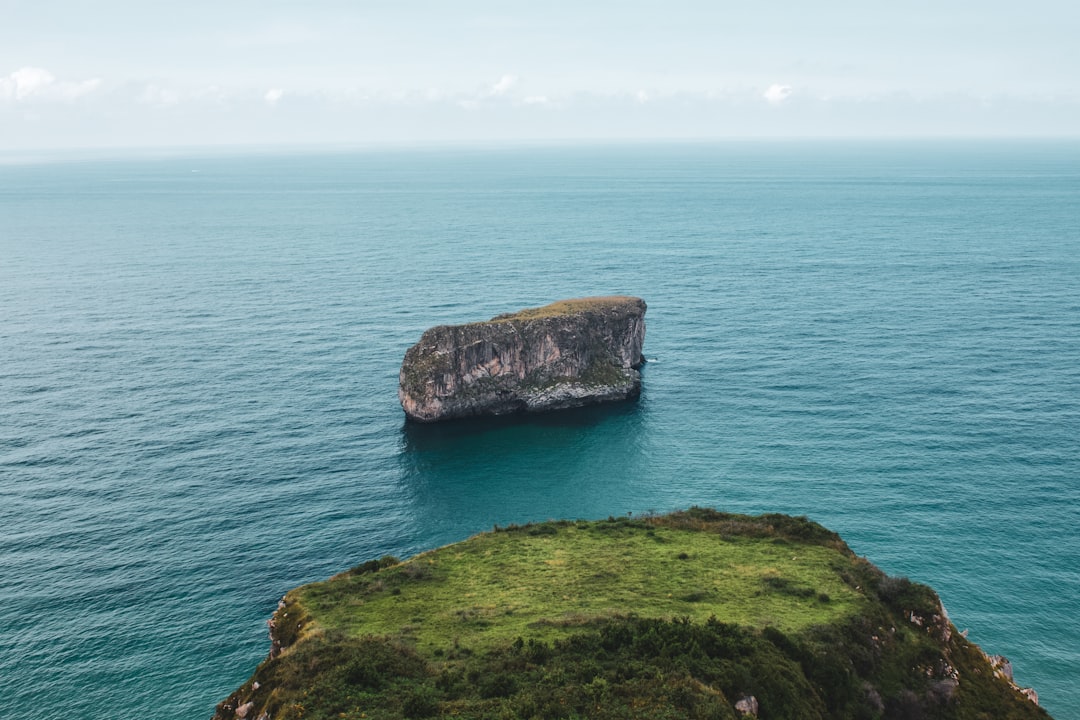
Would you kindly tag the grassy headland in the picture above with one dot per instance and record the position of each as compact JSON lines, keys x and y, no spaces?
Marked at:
{"x":682,"y":615}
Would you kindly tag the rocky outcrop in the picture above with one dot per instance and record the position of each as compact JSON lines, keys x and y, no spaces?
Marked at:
{"x":1003,"y":669}
{"x":567,"y":354}
{"x":747,"y":705}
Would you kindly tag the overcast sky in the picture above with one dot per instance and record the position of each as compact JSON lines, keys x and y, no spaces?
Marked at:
{"x":113,"y":73}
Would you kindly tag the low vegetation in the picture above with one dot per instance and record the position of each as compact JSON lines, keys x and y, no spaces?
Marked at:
{"x":568,"y":307}
{"x":675,"y":616}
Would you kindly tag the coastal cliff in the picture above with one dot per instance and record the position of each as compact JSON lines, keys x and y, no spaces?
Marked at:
{"x":567,"y":354}
{"x":696,"y":614}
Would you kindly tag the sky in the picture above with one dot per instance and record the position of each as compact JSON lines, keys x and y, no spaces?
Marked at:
{"x":118,"y":73}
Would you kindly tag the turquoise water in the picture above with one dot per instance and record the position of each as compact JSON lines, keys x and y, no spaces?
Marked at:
{"x":198,"y":368}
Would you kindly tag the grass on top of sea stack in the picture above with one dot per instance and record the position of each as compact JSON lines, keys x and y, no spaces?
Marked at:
{"x":546,"y":581}
{"x":568,"y":307}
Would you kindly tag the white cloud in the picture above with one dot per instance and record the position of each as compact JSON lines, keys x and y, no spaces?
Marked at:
{"x":506,"y":82}
{"x":159,"y":96}
{"x":77,"y":90}
{"x":273,"y":96}
{"x":777,"y":93}
{"x":536,"y":100}
{"x":642,"y":97}
{"x":213,"y":93}
{"x":30,"y":80}
{"x":32,"y":83}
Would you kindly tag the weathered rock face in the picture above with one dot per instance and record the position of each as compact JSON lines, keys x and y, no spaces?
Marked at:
{"x":567,"y":354}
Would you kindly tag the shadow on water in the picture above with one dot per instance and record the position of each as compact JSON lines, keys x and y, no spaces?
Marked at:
{"x":479,"y":472}
{"x":422,"y":437}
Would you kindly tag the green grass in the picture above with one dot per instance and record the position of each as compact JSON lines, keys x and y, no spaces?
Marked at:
{"x":568,"y":307}
{"x":545,"y":581}
{"x":676,"y":616}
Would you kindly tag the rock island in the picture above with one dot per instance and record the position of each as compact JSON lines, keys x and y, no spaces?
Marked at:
{"x":566,"y":354}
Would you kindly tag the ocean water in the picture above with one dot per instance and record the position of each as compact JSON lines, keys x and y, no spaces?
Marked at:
{"x":199,"y":355}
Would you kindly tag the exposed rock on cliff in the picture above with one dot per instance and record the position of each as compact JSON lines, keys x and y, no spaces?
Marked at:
{"x":567,"y":354}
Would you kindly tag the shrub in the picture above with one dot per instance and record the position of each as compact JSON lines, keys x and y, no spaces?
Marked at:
{"x":420,"y":701}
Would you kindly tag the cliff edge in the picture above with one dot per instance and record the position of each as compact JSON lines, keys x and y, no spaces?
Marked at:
{"x":567,"y":354}
{"x":697,"y":614}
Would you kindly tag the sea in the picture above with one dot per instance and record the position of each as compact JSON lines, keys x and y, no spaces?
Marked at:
{"x":199,"y":356}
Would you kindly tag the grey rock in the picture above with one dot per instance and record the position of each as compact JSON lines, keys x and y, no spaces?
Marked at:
{"x":567,"y":354}
{"x":943,"y":691}
{"x":1002,"y":666}
{"x":1004,"y":670}
{"x":873,"y":697}
{"x":747,"y":705}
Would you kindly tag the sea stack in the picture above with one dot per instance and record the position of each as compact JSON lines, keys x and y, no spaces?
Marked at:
{"x":566,"y":354}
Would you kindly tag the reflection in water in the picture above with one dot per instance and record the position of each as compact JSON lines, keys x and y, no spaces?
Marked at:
{"x":425,"y":437}
{"x":569,"y":463}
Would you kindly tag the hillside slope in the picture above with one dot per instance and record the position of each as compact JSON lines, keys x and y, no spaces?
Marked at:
{"x":696,"y":614}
